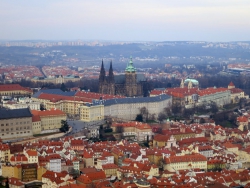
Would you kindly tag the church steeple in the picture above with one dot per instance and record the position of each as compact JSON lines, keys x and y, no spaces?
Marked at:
{"x":111,"y":74}
{"x":102,"y":73}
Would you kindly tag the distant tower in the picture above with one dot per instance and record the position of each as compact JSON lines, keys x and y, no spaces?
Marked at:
{"x":231,"y":85}
{"x":130,"y":80}
{"x":102,"y":80}
{"x":182,"y":84}
{"x":190,"y":85}
{"x":111,"y":81}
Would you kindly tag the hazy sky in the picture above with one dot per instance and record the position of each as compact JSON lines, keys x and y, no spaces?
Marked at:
{"x":126,"y":20}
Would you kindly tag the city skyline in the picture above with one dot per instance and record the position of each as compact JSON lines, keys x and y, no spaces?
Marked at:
{"x":146,"y":20}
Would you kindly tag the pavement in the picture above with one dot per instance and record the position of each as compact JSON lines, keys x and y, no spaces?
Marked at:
{"x":78,"y":126}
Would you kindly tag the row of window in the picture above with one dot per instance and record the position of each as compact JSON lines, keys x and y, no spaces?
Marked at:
{"x":7,"y":124}
{"x":17,"y":128}
{"x":16,"y":133}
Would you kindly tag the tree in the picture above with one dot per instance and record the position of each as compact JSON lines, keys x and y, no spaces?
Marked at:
{"x":176,"y":108}
{"x":139,"y":118}
{"x":65,"y":126}
{"x":242,"y":102}
{"x":63,"y":87}
{"x":144,"y":113}
{"x":214,"y":108}
{"x":167,"y":111}
{"x":161,"y":116}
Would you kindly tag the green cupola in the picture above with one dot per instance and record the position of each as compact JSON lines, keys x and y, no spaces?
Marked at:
{"x":130,"y":67}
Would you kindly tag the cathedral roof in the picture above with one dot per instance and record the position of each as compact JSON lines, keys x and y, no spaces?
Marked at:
{"x":130,"y":67}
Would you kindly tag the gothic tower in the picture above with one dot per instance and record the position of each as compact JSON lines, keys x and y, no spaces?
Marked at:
{"x":130,"y":80}
{"x":102,"y":79}
{"x":111,"y":81}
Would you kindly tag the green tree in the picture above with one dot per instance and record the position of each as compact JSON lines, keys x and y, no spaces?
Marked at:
{"x":65,"y":126}
{"x":161,"y":116}
{"x":63,"y":87}
{"x":139,"y":118}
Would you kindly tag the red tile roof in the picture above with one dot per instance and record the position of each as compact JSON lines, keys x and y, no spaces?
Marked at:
{"x":51,"y":112}
{"x":185,"y":158}
{"x":13,"y":87}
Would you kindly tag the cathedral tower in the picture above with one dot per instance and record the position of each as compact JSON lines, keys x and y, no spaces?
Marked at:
{"x":111,"y":81}
{"x":130,"y":80}
{"x":102,"y":79}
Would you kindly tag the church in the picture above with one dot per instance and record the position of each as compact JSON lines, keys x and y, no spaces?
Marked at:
{"x":129,"y":84}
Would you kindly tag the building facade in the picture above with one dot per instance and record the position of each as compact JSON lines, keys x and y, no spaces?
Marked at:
{"x":15,"y":124}
{"x":129,"y":84}
{"x":50,"y":119}
{"x":14,"y":90}
{"x":128,"y":108}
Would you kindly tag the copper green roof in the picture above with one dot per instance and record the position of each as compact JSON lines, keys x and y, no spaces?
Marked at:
{"x":130,"y":67}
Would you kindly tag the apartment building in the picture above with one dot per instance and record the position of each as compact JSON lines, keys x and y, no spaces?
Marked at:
{"x":50,"y":119}
{"x":15,"y":124}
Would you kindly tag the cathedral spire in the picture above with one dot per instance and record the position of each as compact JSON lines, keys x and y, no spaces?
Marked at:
{"x":102,"y":73}
{"x":111,"y":73}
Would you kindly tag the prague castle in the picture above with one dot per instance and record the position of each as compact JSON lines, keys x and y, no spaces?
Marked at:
{"x":129,"y":84}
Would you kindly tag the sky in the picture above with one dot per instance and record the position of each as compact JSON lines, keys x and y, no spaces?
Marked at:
{"x":125,"y":20}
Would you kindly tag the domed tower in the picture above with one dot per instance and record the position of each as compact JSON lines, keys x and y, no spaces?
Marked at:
{"x":130,"y":79}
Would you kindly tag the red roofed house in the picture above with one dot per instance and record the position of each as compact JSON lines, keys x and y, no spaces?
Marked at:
{"x":220,"y":96}
{"x":15,"y":183}
{"x":236,"y":93}
{"x":14,"y":90}
{"x":185,"y":162}
{"x":50,"y":119}
{"x":4,"y":152}
{"x":89,"y":178}
{"x":242,"y":122}
{"x":134,"y":129}
{"x":166,"y":141}
{"x":55,"y":179}
{"x":31,"y":155}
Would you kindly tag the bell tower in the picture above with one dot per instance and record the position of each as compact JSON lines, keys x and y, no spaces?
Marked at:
{"x":130,"y":79}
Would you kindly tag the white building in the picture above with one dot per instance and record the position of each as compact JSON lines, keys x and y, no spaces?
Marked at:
{"x":220,"y":96}
{"x":128,"y":108}
{"x":54,"y":162}
{"x":22,"y":103}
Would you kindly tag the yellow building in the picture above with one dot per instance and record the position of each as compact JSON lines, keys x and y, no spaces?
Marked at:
{"x":231,"y":147}
{"x":215,"y":164}
{"x":133,"y":129}
{"x":167,"y":141}
{"x":90,"y":112}
{"x":185,"y":162}
{"x":14,"y":90}
{"x":110,"y":169}
{"x":236,"y":93}
{"x":50,"y":119}
{"x":12,"y":171}
{"x":36,"y":125}
{"x":4,"y":152}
